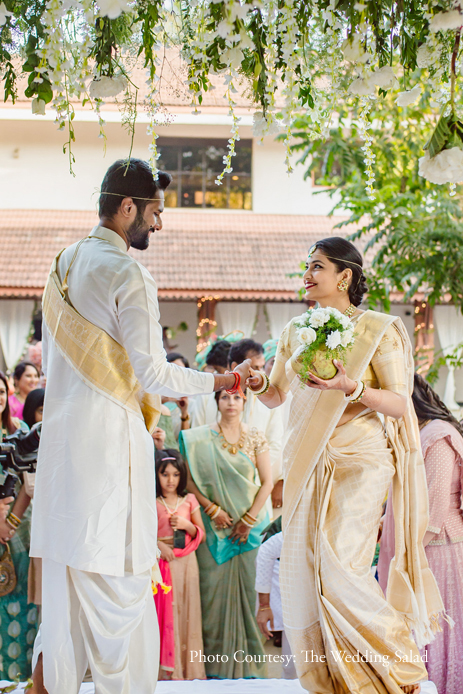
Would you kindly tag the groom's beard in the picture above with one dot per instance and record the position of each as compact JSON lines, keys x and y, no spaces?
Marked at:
{"x":138,"y":233}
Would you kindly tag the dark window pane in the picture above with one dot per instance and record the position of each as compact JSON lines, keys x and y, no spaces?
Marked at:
{"x":195,"y":165}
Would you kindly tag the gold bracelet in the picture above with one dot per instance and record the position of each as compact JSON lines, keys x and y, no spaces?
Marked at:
{"x":13,"y":526}
{"x":265,"y":386}
{"x":250,"y":519}
{"x":361,"y":394}
{"x":265,"y":607}
{"x":214,"y":515}
{"x":15,"y":518}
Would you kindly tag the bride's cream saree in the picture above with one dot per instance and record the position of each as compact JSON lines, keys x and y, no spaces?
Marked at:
{"x":344,"y":634}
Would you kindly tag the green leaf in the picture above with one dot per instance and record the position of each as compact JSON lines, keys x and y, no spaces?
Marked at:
{"x":440,"y":136}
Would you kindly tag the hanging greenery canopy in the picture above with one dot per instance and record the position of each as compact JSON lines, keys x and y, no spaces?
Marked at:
{"x":292,"y":57}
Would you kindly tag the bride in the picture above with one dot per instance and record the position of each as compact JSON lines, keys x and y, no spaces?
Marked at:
{"x":339,"y":461}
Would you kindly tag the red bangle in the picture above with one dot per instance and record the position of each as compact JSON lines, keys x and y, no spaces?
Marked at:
{"x":236,"y":386}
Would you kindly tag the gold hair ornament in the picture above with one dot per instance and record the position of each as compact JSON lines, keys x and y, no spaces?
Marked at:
{"x":134,"y":197}
{"x":341,"y":260}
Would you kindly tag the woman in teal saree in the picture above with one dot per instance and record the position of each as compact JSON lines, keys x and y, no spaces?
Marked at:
{"x":230,"y":475}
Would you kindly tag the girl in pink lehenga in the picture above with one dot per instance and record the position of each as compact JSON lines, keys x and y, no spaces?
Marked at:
{"x":442,"y":444}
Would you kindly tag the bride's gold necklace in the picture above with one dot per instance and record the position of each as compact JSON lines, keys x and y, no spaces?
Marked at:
{"x":350,"y":310}
{"x":232,"y":447}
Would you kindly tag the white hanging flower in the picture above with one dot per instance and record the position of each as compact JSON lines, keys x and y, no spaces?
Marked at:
{"x":261,"y":126}
{"x":113,"y":8}
{"x":347,"y":338}
{"x":38,"y":107}
{"x":4,"y":14}
{"x":445,"y":167}
{"x":353,"y":50}
{"x":233,"y":57}
{"x":104,"y":87}
{"x":446,"y":20}
{"x":427,"y":56}
{"x":319,"y":317}
{"x":306,"y":335}
{"x":361,"y":87}
{"x":384,"y":77}
{"x":408,"y":98}
{"x":334,"y":339}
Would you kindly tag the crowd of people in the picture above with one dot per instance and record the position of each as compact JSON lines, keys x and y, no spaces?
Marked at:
{"x":218,"y":463}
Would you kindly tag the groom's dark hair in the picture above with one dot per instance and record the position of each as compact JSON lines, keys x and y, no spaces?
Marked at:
{"x":129,"y":178}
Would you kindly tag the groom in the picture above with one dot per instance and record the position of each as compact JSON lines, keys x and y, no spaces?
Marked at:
{"x":94,"y":520}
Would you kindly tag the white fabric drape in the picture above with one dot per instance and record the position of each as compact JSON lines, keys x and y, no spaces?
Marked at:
{"x":449,"y":324}
{"x":237,"y":315}
{"x":15,"y":324}
{"x":280,"y":314}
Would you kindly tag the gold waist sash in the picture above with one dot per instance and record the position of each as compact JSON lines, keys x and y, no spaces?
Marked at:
{"x":101,"y":362}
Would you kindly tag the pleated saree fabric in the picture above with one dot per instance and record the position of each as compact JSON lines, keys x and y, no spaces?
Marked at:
{"x":345,"y":635}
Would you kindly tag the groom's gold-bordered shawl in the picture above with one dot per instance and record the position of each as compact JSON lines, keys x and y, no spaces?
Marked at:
{"x":101,"y":362}
{"x":412,"y":589}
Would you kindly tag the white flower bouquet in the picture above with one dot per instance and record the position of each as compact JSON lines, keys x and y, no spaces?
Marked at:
{"x":325,"y":334}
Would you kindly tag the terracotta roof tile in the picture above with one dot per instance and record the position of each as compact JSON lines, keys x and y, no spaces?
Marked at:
{"x":230,"y":254}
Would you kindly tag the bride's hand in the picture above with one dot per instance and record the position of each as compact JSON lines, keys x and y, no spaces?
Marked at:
{"x":339,"y":382}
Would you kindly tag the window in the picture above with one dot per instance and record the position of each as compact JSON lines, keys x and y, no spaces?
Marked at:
{"x":195,"y":164}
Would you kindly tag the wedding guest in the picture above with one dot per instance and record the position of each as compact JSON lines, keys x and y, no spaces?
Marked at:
{"x":223,"y":460}
{"x":270,"y":612}
{"x":180,"y":531}
{"x":17,"y":617}
{"x":179,"y":359}
{"x":26,"y":377}
{"x":33,"y":407}
{"x":442,"y":445}
{"x":255,"y":414}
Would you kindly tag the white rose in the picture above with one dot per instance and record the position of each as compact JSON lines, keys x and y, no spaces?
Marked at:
{"x":38,"y":107}
{"x":361,"y":87}
{"x":336,"y":314}
{"x":353,"y":50}
{"x":347,"y":338}
{"x":426,"y":56}
{"x":446,"y":20}
{"x":345,"y":321}
{"x":103,"y":87}
{"x":307,"y":335}
{"x":408,"y":98}
{"x":384,"y":77}
{"x":445,"y":167}
{"x":334,"y":339}
{"x":318,"y":318}
{"x":113,"y":8}
{"x":4,"y":14}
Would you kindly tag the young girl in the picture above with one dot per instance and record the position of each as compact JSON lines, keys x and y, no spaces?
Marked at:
{"x":180,"y":531}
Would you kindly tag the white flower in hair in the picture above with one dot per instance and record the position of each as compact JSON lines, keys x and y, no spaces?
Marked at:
{"x":307,"y":335}
{"x":334,"y":339}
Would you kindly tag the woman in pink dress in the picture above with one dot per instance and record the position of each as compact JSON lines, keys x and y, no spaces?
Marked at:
{"x":442,"y":444}
{"x":26,"y":378}
{"x":180,"y":531}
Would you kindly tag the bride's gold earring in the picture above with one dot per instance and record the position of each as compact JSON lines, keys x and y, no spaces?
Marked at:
{"x":343,"y":285}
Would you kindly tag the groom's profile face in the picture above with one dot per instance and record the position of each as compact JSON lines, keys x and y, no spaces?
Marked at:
{"x":146,"y":222}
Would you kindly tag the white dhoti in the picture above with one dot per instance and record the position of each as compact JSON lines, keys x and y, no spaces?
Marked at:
{"x":106,"y":622}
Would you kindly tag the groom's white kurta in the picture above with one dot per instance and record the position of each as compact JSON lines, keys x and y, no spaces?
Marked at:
{"x":95,"y":501}
{"x":91,"y":448}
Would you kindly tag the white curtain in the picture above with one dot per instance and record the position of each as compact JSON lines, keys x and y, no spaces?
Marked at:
{"x":280,"y":314}
{"x":237,"y":315}
{"x":449,"y":324}
{"x":15,"y":325}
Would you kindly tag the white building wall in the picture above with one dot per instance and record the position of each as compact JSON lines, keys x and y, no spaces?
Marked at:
{"x":34,"y":172}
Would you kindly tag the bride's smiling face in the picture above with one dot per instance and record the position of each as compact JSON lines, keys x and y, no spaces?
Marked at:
{"x":321,"y":277}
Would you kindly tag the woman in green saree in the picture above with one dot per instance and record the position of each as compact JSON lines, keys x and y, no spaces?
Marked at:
{"x":230,"y":475}
{"x":338,"y":463}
